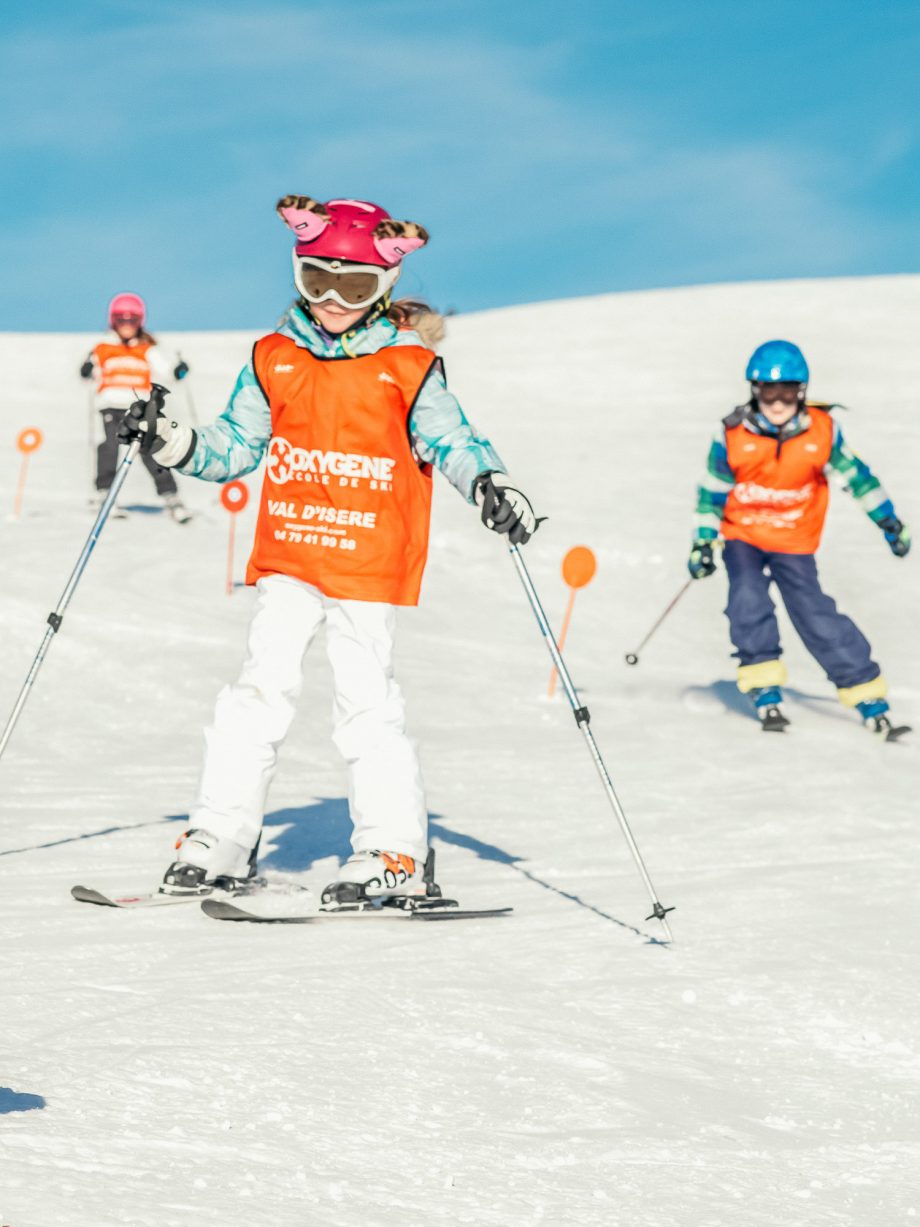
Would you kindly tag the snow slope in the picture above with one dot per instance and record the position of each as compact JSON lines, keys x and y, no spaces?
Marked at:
{"x":557,"y":1068}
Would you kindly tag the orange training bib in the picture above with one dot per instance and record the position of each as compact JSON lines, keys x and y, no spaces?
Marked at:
{"x":123,"y":366}
{"x":344,"y":505}
{"x":779,"y":500}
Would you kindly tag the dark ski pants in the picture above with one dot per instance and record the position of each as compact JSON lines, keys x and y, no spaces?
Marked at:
{"x":836,"y":643}
{"x":107,"y":458}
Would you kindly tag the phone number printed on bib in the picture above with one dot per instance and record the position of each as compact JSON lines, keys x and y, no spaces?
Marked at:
{"x":299,"y":522}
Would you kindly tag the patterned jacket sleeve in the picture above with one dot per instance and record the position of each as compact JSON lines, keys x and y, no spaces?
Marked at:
{"x":713,"y":491}
{"x":236,"y":442}
{"x":858,"y":479}
{"x":442,"y":436}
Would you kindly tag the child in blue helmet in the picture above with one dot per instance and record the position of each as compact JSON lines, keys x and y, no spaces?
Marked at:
{"x":765,"y":493}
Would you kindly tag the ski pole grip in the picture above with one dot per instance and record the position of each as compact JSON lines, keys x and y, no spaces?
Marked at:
{"x":152,"y":410}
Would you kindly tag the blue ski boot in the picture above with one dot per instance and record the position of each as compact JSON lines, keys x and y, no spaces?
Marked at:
{"x":876,"y":719}
{"x":768,"y":705}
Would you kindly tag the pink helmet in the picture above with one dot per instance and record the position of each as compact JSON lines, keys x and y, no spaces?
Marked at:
{"x":353,"y":230}
{"x":127,"y":304}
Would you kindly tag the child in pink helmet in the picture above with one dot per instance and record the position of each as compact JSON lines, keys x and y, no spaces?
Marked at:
{"x":124,"y":364}
{"x":347,"y":403}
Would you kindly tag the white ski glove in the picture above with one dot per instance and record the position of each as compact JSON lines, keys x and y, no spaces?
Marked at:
{"x":504,"y":508}
{"x":172,"y":443}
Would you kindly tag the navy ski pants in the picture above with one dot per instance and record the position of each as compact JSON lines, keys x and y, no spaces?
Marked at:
{"x":837,"y":644}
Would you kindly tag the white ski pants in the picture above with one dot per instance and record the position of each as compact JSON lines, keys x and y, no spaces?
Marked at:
{"x":252,"y":717}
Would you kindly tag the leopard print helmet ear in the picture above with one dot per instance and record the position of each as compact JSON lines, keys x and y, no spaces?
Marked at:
{"x":395,"y":239}
{"x":308,"y":218}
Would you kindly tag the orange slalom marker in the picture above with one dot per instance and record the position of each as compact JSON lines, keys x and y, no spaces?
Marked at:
{"x":27,"y":441}
{"x":578,"y":569}
{"x":234,"y":495}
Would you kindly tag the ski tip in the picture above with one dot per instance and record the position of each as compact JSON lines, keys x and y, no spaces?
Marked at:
{"x":85,"y":894}
{"x":219,"y":909}
{"x":895,"y":734}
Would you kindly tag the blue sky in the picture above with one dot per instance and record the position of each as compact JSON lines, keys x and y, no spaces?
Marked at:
{"x":551,"y":149}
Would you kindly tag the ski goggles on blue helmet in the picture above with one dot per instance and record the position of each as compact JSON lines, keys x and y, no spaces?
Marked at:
{"x":783,"y":392}
{"x":352,"y":286}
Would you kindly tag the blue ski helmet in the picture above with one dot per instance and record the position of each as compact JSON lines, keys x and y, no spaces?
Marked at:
{"x":777,"y":362}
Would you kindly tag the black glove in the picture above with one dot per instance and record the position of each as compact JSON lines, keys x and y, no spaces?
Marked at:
{"x":181,"y":369}
{"x":701,"y":562}
{"x":168,"y":441}
{"x":86,"y":370}
{"x":504,"y":508}
{"x":897,"y":535}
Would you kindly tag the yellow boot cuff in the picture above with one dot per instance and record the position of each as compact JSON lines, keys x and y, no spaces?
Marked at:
{"x":755,"y":677}
{"x":849,"y":696}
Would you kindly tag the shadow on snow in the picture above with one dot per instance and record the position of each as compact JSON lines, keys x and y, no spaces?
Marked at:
{"x":18,"y":1101}
{"x":315,"y":832}
{"x":75,"y":839}
{"x":732,"y":700}
{"x":301,"y":836}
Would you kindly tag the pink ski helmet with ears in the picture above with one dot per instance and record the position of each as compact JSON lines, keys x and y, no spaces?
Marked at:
{"x":127,"y":304}
{"x":353,"y":230}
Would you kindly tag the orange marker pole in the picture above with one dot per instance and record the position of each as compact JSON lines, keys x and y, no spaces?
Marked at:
{"x":578,"y":569}
{"x":234,"y":495}
{"x":27,"y":441}
{"x":563,"y":635}
{"x":231,"y":547}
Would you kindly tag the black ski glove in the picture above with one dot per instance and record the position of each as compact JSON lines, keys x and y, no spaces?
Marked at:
{"x":181,"y":369}
{"x":897,"y":535}
{"x":169,"y":441}
{"x":86,"y":370}
{"x":504,"y":508}
{"x":701,"y":562}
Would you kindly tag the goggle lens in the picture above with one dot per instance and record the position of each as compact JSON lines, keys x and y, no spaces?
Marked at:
{"x":770,"y":393}
{"x":356,"y":288}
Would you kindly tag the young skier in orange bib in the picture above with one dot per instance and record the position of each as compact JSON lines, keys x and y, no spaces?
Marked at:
{"x":352,"y":411}
{"x":766,"y":493}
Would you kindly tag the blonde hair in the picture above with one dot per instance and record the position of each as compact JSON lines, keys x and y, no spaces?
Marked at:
{"x":415,"y":314}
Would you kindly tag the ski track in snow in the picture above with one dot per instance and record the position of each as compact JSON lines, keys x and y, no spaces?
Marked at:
{"x":558,"y":1067}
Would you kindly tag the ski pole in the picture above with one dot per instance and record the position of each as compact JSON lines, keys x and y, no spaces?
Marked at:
{"x":583,"y":720}
{"x":632,"y":658}
{"x":56,"y":617}
{"x":189,"y":399}
{"x":91,"y":434}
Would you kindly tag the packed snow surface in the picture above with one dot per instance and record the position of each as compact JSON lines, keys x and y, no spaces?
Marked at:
{"x":560,"y":1067}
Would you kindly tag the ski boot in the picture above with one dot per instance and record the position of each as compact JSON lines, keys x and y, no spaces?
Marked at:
{"x":176,"y":508}
{"x":382,"y":879}
{"x":768,"y":703}
{"x":208,"y":862}
{"x":876,"y":719}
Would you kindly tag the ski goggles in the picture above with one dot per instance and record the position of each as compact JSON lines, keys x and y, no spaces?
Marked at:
{"x":352,"y":286}
{"x":126,"y":319}
{"x":770,"y":393}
